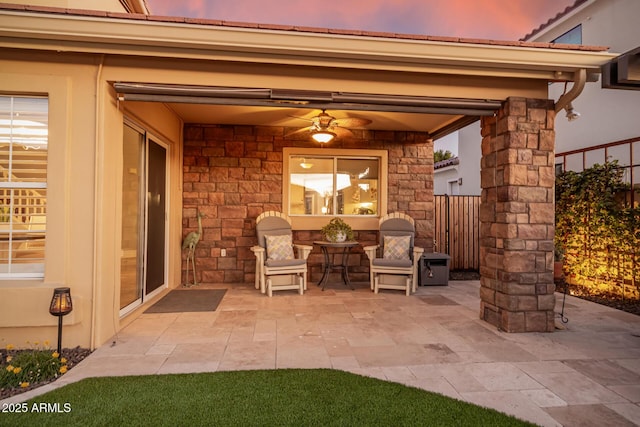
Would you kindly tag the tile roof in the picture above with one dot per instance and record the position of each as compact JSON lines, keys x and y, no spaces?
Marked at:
{"x":444,"y":163}
{"x":556,"y":18}
{"x":292,"y":28}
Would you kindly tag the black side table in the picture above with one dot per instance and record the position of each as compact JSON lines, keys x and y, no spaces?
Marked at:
{"x":343,"y":250}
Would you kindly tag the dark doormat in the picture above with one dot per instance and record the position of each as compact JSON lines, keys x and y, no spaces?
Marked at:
{"x":186,"y":300}
{"x":437,"y":300}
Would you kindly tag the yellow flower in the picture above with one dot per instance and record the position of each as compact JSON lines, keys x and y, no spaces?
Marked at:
{"x":10,"y":347}
{"x":17,"y":370}
{"x":24,"y":384}
{"x":9,"y":358}
{"x":55,"y":354}
{"x":63,"y":360}
{"x":10,"y":368}
{"x":63,"y":369}
{"x":36,"y":342}
{"x":46,"y":343}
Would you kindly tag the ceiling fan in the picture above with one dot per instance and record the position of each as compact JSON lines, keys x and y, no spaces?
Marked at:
{"x":324,"y":127}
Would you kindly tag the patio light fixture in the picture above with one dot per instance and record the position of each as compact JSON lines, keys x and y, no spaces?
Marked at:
{"x":571,"y":113}
{"x":61,"y":305}
{"x":323,"y":136}
{"x":306,"y":165}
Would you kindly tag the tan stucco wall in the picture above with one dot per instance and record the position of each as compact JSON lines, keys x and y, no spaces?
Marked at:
{"x":69,"y":246}
{"x":84,"y":120}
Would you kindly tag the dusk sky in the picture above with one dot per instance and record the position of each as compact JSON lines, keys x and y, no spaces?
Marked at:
{"x":490,"y":19}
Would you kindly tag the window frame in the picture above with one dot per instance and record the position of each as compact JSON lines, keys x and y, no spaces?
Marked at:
{"x":315,"y":222}
{"x":38,"y":271}
{"x":567,"y":36}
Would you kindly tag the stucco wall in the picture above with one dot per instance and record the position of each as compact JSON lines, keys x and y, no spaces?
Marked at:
{"x":234,"y":173}
{"x":607,"y":115}
{"x":24,"y":304}
{"x":84,"y":173}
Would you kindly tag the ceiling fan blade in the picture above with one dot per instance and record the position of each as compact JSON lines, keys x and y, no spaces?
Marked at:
{"x":297,"y":131}
{"x":341,"y":132}
{"x":310,"y":120}
{"x":351,"y":122}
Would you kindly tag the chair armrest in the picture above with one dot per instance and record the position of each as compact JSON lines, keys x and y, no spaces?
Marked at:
{"x":303,"y":250}
{"x":417,"y":253}
{"x":259,"y":252}
{"x":371,"y":251}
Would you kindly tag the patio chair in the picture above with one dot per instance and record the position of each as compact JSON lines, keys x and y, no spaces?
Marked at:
{"x":393,"y":264}
{"x":278,"y":266}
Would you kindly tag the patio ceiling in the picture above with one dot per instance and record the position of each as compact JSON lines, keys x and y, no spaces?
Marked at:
{"x":287,"y":117}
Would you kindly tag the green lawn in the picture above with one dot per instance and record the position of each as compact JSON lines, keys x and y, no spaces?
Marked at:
{"x":313,"y":397}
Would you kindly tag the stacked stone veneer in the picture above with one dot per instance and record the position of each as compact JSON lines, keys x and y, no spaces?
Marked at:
{"x":234,"y":173}
{"x":517,"y":217}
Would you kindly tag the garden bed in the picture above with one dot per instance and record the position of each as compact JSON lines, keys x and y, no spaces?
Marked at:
{"x":73,"y":356}
{"x":603,"y":298}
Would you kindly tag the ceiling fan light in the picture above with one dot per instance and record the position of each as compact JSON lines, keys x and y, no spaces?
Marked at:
{"x":323,"y":136}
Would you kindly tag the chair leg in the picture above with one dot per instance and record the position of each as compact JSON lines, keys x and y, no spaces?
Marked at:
{"x":409,"y":286}
{"x":301,"y":282}
{"x":375,"y":283}
{"x":257,"y":278}
{"x":269,"y":288}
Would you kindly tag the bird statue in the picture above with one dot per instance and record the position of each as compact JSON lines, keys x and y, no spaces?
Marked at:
{"x":189,"y":243}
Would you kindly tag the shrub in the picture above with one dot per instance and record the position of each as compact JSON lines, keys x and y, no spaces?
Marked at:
{"x":598,"y":231}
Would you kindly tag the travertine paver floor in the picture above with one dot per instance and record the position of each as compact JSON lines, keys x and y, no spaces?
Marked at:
{"x":586,"y":374}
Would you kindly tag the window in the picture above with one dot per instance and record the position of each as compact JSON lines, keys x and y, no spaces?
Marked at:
{"x":321,"y":182}
{"x":573,"y":36}
{"x":23,"y":185}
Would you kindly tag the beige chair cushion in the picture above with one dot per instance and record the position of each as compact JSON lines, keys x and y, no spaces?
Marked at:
{"x":395,"y":263}
{"x":274,"y":263}
{"x":279,"y":247}
{"x":397,"y":247}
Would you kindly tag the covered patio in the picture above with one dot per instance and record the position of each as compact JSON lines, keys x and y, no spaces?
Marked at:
{"x":587,"y":373}
{"x":154,"y":120}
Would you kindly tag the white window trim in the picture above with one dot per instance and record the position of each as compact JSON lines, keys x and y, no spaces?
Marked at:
{"x":316,"y":222}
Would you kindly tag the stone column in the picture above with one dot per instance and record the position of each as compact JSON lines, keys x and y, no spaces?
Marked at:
{"x":517,"y":217}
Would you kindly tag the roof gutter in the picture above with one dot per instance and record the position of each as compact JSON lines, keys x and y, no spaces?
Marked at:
{"x":153,"y":37}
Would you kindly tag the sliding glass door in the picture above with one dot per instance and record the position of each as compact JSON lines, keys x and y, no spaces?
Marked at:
{"x":144,"y":202}
{"x":156,"y":211}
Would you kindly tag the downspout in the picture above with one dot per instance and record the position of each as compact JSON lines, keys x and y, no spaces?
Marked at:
{"x":96,"y":204}
{"x":578,"y":84}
